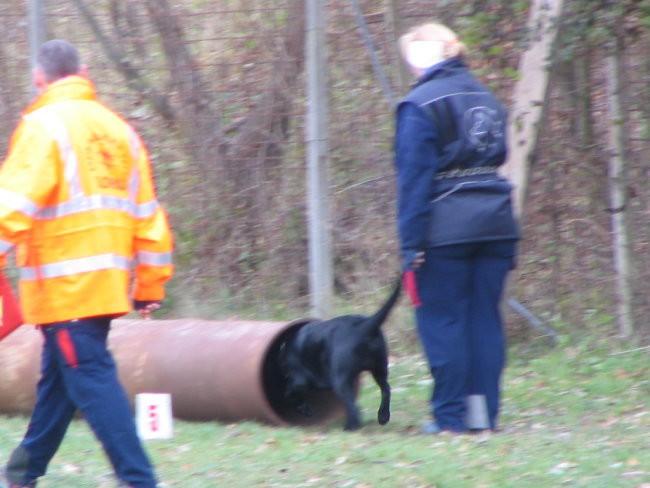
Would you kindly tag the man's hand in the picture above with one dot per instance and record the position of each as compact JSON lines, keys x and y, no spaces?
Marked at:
{"x":146,"y":307}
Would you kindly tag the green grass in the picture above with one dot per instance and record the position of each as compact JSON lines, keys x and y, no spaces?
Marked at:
{"x":575,"y":416}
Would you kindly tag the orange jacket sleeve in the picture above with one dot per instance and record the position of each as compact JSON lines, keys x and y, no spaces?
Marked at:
{"x":153,"y":237}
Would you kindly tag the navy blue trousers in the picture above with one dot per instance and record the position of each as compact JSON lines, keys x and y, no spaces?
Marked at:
{"x":79,"y":373}
{"x":460,"y":326}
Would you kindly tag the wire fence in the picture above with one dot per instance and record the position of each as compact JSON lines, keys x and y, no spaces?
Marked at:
{"x":217,"y":90}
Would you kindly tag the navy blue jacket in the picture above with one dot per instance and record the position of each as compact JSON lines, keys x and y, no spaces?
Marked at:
{"x":450,"y":137}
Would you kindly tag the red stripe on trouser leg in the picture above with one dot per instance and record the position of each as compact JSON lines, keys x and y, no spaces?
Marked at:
{"x":66,"y":346}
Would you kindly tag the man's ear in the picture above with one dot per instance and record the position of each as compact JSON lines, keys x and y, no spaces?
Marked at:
{"x":39,"y":79}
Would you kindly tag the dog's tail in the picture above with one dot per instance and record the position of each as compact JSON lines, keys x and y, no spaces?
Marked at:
{"x":375,"y":321}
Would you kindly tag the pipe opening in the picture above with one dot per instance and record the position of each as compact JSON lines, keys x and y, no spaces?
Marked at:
{"x":324,"y":403}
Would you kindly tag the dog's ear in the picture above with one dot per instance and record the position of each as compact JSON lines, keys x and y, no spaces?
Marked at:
{"x":282,"y":353}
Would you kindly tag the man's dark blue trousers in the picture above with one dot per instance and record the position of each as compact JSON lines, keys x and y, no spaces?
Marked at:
{"x":78,"y":373}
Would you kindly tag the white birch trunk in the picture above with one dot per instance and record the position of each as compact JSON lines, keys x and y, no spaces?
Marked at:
{"x":530,"y":94}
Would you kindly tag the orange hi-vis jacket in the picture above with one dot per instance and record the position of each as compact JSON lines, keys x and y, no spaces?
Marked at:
{"x":78,"y":202}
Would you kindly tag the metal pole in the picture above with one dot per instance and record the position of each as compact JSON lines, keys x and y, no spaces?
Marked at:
{"x":36,"y":29}
{"x":321,"y":277}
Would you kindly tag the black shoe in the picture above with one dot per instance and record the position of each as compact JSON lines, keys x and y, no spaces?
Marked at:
{"x":4,"y":482}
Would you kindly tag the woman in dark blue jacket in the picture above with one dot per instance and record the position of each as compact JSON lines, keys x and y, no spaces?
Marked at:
{"x":456,"y":226}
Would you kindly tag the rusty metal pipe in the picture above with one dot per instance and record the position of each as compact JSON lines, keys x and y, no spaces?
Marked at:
{"x":225,"y":371}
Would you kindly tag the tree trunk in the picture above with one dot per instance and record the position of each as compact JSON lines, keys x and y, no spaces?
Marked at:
{"x":396,"y":24}
{"x":530,"y":95}
{"x":618,"y":192}
{"x":581,"y":66}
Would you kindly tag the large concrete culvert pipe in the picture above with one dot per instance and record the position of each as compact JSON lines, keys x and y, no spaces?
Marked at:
{"x":225,"y":371}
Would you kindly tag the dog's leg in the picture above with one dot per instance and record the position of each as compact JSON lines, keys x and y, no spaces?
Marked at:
{"x":380,"y":375}
{"x":345,"y":390}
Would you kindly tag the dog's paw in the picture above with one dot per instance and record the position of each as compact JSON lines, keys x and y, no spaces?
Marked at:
{"x":351,"y":425}
{"x":383,"y":417}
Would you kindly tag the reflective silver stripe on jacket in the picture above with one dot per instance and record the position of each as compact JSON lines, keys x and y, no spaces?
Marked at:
{"x":19,"y":203}
{"x":154,"y":258}
{"x":135,"y":144}
{"x":92,"y":263}
{"x":5,"y":246}
{"x":99,"y":202}
{"x":76,"y":266}
{"x":134,"y":185}
{"x":59,"y":133}
{"x":145,"y":210}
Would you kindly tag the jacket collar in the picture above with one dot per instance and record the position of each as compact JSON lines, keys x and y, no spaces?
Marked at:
{"x":69,"y":88}
{"x":443,"y":69}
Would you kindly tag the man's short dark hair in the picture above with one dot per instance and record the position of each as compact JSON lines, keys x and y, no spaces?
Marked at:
{"x":58,"y":59}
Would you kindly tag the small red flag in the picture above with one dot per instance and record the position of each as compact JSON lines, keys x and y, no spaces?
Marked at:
{"x":10,"y":315}
{"x":411,"y":286}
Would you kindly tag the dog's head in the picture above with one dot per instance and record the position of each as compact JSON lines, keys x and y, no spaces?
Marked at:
{"x":296,"y":377}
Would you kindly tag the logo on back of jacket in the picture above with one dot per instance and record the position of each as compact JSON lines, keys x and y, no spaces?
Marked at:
{"x":108,"y":161}
{"x":483,"y":127}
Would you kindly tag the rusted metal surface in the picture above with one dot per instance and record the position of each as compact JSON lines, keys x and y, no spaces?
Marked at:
{"x":223,"y":371}
{"x":20,"y":354}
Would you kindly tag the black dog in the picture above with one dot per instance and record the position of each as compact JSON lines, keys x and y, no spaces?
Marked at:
{"x":331,"y":354}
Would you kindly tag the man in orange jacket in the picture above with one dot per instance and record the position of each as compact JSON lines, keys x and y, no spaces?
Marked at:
{"x":77,"y":201}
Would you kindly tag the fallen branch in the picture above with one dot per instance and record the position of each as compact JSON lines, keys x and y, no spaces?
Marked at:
{"x":629,"y":350}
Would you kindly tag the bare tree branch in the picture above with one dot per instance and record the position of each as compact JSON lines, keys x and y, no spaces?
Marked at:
{"x":119,"y":58}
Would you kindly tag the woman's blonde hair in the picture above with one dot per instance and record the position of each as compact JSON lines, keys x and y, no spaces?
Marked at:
{"x":433,"y":32}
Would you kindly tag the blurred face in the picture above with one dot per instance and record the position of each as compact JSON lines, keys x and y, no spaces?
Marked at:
{"x":428,"y":45}
{"x":424,"y":54}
